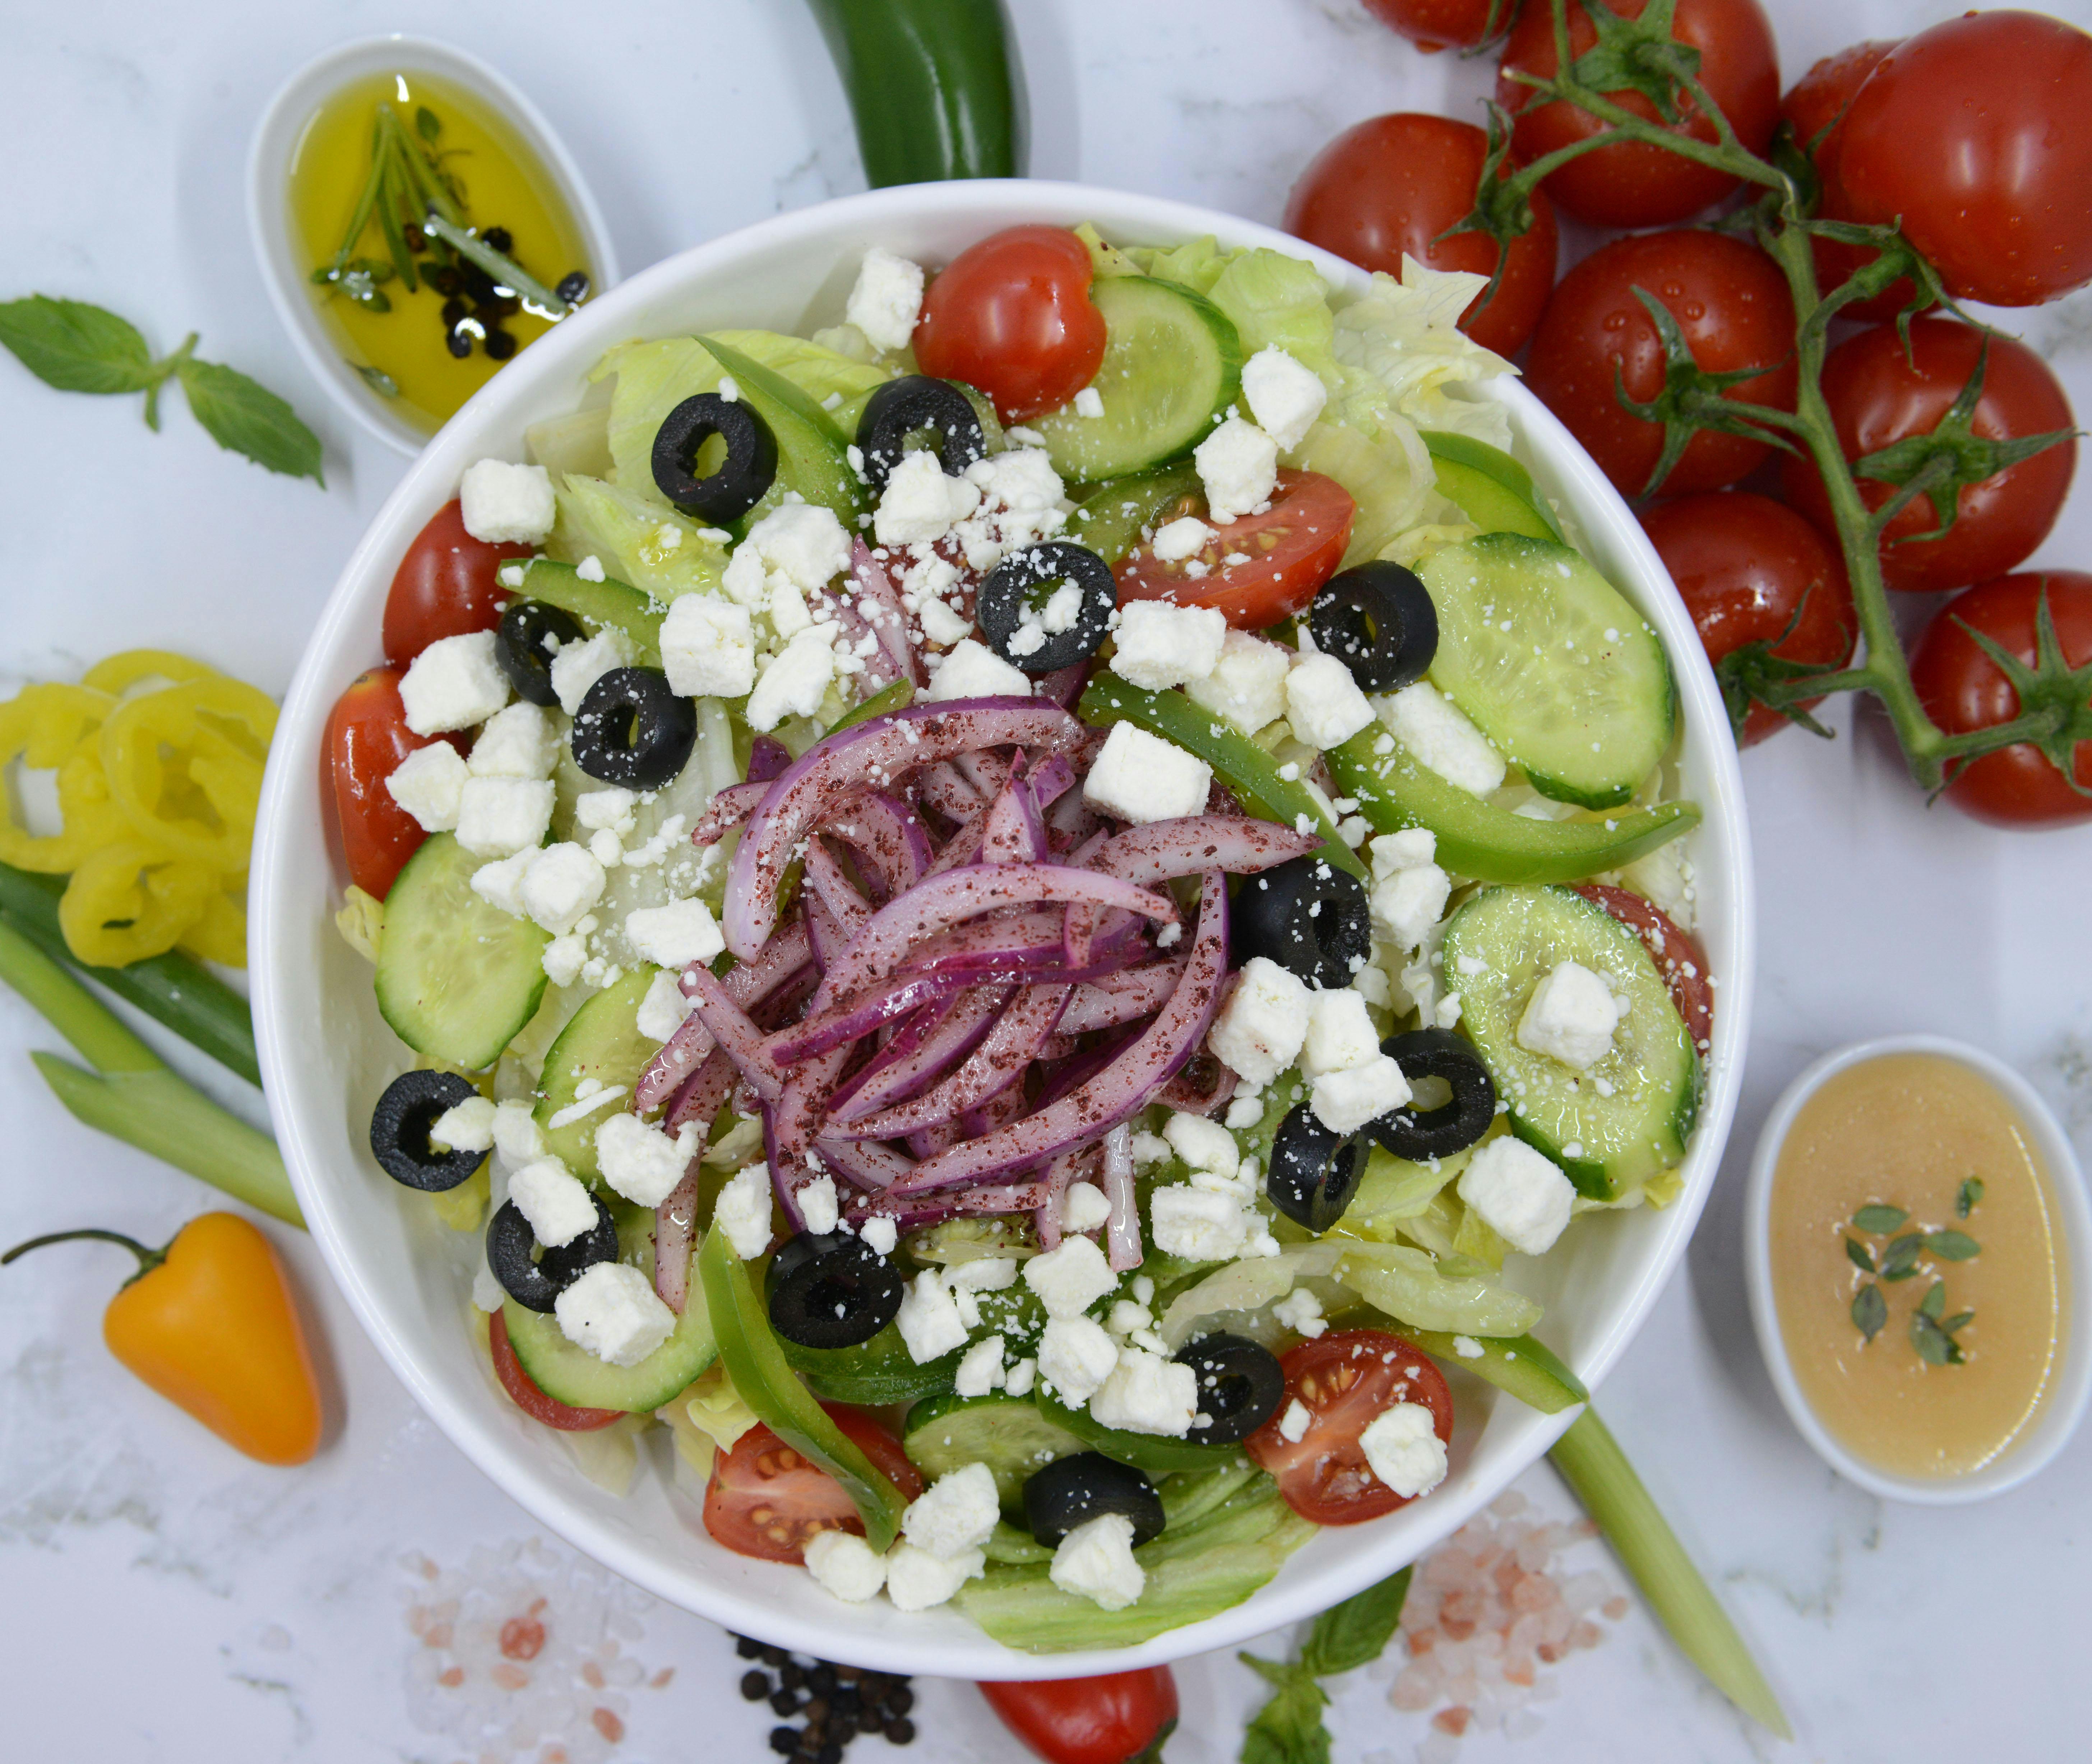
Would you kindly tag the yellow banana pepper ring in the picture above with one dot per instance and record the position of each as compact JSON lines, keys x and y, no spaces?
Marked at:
{"x":117,"y":674}
{"x":185,"y":767}
{"x":48,"y":727}
{"x":131,"y":900}
{"x":220,"y":935}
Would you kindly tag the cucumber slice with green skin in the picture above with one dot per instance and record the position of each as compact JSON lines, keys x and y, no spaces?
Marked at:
{"x":1155,"y":1453}
{"x":811,"y":456}
{"x":1492,"y":488}
{"x":1552,"y":664}
{"x":1172,"y":366}
{"x":1518,"y":1364}
{"x":574,"y":1375}
{"x":1502,"y":943}
{"x":602,"y":1042}
{"x":1394,"y":789}
{"x":607,"y":605}
{"x":1008,"y":1433}
{"x":456,"y":975}
{"x":1119,"y":517}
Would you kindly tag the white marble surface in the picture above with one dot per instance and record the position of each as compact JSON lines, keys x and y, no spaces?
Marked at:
{"x":161,"y":1599}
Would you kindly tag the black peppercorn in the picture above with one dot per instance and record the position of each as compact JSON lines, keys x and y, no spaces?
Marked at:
{"x":416,"y":239}
{"x":747,"y":1647}
{"x":458,"y":344}
{"x":900,"y":1700}
{"x":754,"y":1686}
{"x":785,"y":1702}
{"x":500,"y":345}
{"x":785,"y":1741}
{"x":829,"y":1754}
{"x":821,"y":1678}
{"x":791,"y":1674}
{"x":447,"y":281}
{"x":499,"y":239}
{"x":774,"y":1656}
{"x":573,"y":285}
{"x":900,"y":1730}
{"x":453,"y":310}
{"x":870,"y":1721}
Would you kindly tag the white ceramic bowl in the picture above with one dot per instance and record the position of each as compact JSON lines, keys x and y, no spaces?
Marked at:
{"x":286,"y":275}
{"x":326,"y":1055}
{"x":2066,"y":1182}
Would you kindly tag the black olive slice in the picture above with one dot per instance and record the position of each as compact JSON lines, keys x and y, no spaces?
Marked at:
{"x":1377,"y":620}
{"x":1314,"y":1171}
{"x":1027,"y":580}
{"x":743,"y":476}
{"x":832,"y":1290}
{"x":1306,"y":914}
{"x":400,"y":1131}
{"x":536,"y":1285}
{"x":1071,"y":1491}
{"x":1240,"y":1385}
{"x":632,"y":730}
{"x":1418,"y":1134}
{"x":531,"y":632}
{"x":907,"y":407}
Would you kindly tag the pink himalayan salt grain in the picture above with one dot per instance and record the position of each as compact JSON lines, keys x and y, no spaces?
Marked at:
{"x":510,"y":1676}
{"x":592,"y":1675}
{"x":1615,"y":1607}
{"x":660,"y":1680}
{"x":607,"y":1724}
{"x":440,"y":1636}
{"x":1452,"y":1721}
{"x":450,"y":1676}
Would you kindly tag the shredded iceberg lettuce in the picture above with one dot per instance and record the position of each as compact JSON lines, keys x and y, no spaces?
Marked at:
{"x":1406,"y":335}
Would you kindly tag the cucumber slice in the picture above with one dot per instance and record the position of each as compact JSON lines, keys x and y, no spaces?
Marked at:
{"x":1492,"y":488}
{"x":812,"y":456}
{"x":1552,"y":665}
{"x":1172,"y":367}
{"x":1117,"y":518}
{"x":456,"y":975}
{"x":1007,"y":1433}
{"x":1155,"y":1453}
{"x":1614,"y":1126}
{"x":608,"y":604}
{"x":601,"y":1041}
{"x":574,"y":1376}
{"x":874,"y":1374}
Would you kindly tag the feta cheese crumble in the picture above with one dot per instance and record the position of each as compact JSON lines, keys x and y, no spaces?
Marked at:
{"x":886,"y":299}
{"x":1519,"y":1193}
{"x":455,"y":683}
{"x":1096,"y":1561}
{"x":1438,"y":733}
{"x":1403,"y":1449}
{"x":1571,"y":1017}
{"x":1284,"y":397}
{"x":506,"y":504}
{"x":614,"y":1313}
{"x":1139,"y":777}
{"x":843,"y":1563}
{"x":1161,"y":645}
{"x":1260,"y":1028}
{"x":1239,"y":466}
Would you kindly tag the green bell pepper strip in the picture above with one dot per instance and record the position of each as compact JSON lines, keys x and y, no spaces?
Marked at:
{"x":767,"y":1383}
{"x":933,"y":87}
{"x":1115,"y":517}
{"x":606,"y":604}
{"x":1237,"y":761}
{"x":1516,"y":1363}
{"x":1394,"y":789}
{"x":1154,"y":1453}
{"x":898,"y":697}
{"x":1492,"y":488}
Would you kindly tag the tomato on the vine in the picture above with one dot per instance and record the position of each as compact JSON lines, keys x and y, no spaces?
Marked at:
{"x":1435,"y":24}
{"x":1816,"y":104}
{"x":1962,"y":688}
{"x":1345,"y":1380}
{"x":1878,"y":396}
{"x":445,"y":586}
{"x":367,"y":737}
{"x":1676,"y":952}
{"x":523,"y":1390}
{"x":1012,"y":316}
{"x":1752,"y":571}
{"x":1732,"y":305}
{"x":1391,"y":185}
{"x":765,"y":1500}
{"x":1114,"y":1719}
{"x":1977,"y":135}
{"x":1634,"y":183}
{"x":1286,"y":553}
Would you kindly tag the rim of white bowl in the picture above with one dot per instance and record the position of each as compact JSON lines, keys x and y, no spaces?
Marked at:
{"x":2066,"y":1406}
{"x":268,"y":200}
{"x":279,"y":920}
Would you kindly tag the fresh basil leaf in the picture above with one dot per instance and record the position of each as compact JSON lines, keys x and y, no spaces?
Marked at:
{"x":1855,"y":1252}
{"x":249,"y":419}
{"x":77,"y":348}
{"x":1966,"y":1197}
{"x":1870,"y":1311}
{"x":1934,"y":1301}
{"x":1899,"y":1260}
{"x":427,"y":124}
{"x":1934,"y":1346}
{"x":1356,"y":1632}
{"x":1288,"y":1729}
{"x":1953,"y":1246}
{"x":1958,"y":1322}
{"x":1879,"y":1219}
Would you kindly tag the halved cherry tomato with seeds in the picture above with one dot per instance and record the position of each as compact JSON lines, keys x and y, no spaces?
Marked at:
{"x":524,"y":1392}
{"x":766,"y":1501}
{"x":1675,"y":951}
{"x":1286,"y":555}
{"x":446,"y":585}
{"x":367,"y":737}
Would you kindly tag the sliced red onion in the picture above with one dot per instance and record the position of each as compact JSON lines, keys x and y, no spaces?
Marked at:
{"x":1064,"y":685}
{"x":785,"y":1174}
{"x":890,"y":837}
{"x":851,"y":1020}
{"x":1121,"y":997}
{"x":748,"y":986}
{"x":1004,"y":1197}
{"x":1115,"y":1094}
{"x":987,"y":772}
{"x":790,"y":1124}
{"x":783,"y":1006}
{"x":1122,"y":1229}
{"x":1059,"y":1047}
{"x":963,"y":847}
{"x":943,"y":788}
{"x":768,"y":760}
{"x":1073,"y":819}
{"x":864,"y":1162}
{"x":930,"y":1140}
{"x":1015,"y":834}
{"x":919,"y":1056}
{"x":875,"y":670}
{"x":729,"y":808}
{"x":1051,"y":781}
{"x":675,"y":1226}
{"x":703,"y":1094}
{"x":1198,"y":1091}
{"x":998,"y":1063}
{"x":879,"y":603}
{"x":742,"y":1041}
{"x":1163,"y":850}
{"x":1065,"y":1080}
{"x":847,"y":910}
{"x":999,"y":1110}
{"x":1060,"y":1176}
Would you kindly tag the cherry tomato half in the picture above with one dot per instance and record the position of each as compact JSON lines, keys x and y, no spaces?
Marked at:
{"x":1732,"y":302}
{"x":1977,"y":135}
{"x":1633,"y":185}
{"x":1288,"y":553}
{"x":1344,"y":1379}
{"x":1750,"y":570}
{"x":1676,"y":952}
{"x":1816,"y":104}
{"x":1877,"y":397}
{"x":765,"y":1500}
{"x":367,"y":737}
{"x":1013,"y":318}
{"x":1962,"y":688}
{"x":1435,"y":24}
{"x":444,"y":587}
{"x":524,"y":1392}
{"x":1111,"y":1719}
{"x":1392,"y":185}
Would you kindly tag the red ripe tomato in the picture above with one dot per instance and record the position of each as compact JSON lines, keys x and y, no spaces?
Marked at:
{"x":1962,"y":688}
{"x":1732,"y":302}
{"x":1676,"y":952}
{"x":1344,"y":1379}
{"x":1435,"y":24}
{"x":1291,"y":550}
{"x":444,"y":587}
{"x":1634,"y":185}
{"x":765,"y":1500}
{"x":1978,"y":134}
{"x":367,"y":737}
{"x":1013,"y":318}
{"x":1877,"y":397}
{"x":1392,"y":185}
{"x":1816,"y":106}
{"x":1750,"y":570}
{"x":524,"y":1392}
{"x":1112,"y":1719}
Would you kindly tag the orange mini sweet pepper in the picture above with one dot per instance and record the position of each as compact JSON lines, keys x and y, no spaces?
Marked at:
{"x":209,"y":1323}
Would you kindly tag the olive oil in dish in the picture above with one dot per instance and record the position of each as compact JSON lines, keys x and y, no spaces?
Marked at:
{"x":366,"y":160}
{"x":1916,"y":1265}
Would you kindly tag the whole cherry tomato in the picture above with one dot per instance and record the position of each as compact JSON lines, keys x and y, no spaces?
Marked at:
{"x":765,"y":1500}
{"x":1112,"y":1719}
{"x":1962,"y":688}
{"x":1675,"y":951}
{"x":1345,"y":1380}
{"x":1013,"y":318}
{"x":524,"y":1392}
{"x":1435,"y":24}
{"x":1751,"y":570}
{"x":1878,"y":396}
{"x":367,"y":737}
{"x":1977,"y":135}
{"x":1732,"y":305}
{"x":1287,"y":552}
{"x":1392,"y":185}
{"x":1816,"y":106}
{"x":444,"y":587}
{"x":1633,"y":184}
